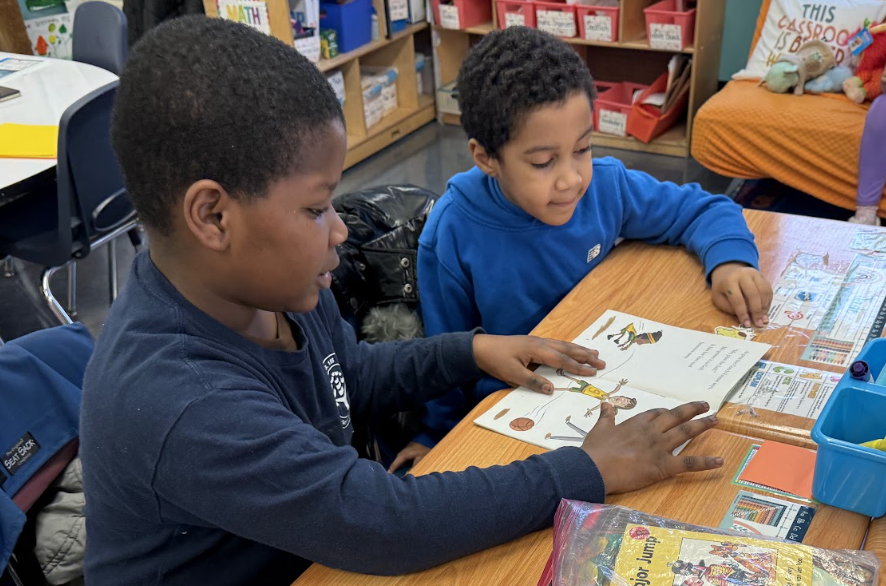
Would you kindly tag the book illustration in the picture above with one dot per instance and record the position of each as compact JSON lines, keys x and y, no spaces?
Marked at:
{"x":586,"y":388}
{"x":604,"y":545}
{"x":50,"y":36}
{"x":737,"y":332}
{"x":664,"y":365}
{"x":633,"y":337}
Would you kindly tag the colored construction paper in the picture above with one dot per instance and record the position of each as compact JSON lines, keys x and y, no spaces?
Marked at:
{"x":25,"y":141}
{"x":783,"y":467}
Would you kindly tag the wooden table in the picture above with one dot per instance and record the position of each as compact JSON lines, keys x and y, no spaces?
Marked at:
{"x":673,"y":291}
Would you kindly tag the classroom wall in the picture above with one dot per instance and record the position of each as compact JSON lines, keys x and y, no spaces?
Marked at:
{"x":738,"y":30}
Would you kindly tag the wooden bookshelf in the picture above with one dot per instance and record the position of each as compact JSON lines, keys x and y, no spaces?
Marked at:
{"x":395,"y":50}
{"x":628,"y":59}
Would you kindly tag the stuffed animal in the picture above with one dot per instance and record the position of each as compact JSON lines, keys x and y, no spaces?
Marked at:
{"x":781,"y":77}
{"x":811,"y":60}
{"x":866,"y":84}
{"x":831,"y":82}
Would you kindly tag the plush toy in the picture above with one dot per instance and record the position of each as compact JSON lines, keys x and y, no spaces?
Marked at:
{"x":781,"y":77}
{"x":866,"y":83}
{"x":830,"y":82}
{"x":811,"y":60}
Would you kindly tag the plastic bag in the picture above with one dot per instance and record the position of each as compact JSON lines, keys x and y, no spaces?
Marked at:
{"x":602,"y":545}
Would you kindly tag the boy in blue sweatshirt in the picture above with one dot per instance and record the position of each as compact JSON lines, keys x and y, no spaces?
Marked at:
{"x":218,"y":408}
{"x":512,"y":236}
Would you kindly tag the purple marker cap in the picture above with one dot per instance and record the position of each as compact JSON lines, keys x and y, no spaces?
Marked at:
{"x":859,"y":369}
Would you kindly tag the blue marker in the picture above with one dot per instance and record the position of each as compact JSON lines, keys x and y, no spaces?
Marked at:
{"x":861,"y":371}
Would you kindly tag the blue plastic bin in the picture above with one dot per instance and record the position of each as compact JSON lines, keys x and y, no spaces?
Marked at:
{"x":352,"y":22}
{"x":847,"y":475}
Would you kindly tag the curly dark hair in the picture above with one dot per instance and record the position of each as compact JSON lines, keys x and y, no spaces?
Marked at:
{"x":509,"y":74}
{"x":205,"y":98}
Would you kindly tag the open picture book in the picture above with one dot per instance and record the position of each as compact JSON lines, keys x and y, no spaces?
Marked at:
{"x":648,"y":365}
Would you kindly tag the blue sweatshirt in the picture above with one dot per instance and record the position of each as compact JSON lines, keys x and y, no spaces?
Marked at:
{"x":484,"y":262}
{"x":209,"y":459}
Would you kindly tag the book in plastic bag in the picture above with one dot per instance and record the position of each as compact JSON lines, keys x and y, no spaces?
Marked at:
{"x":601,"y":545}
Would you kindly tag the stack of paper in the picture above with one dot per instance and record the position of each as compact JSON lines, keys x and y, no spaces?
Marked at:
{"x":24,"y":141}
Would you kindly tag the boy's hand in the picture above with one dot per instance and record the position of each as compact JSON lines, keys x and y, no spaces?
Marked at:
{"x":413,"y":452}
{"x":508,"y":358}
{"x":639,"y":452}
{"x":742,"y":291}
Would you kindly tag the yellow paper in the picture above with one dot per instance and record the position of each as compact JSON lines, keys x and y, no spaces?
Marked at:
{"x":25,"y":141}
{"x":655,"y":556}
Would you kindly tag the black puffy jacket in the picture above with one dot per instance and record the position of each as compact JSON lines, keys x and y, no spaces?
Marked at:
{"x":143,"y":15}
{"x":378,"y":260}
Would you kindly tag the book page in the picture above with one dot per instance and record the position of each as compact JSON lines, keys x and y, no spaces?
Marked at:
{"x":672,"y":362}
{"x":566,"y":416}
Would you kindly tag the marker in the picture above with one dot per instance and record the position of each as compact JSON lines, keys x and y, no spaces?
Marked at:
{"x":861,"y":371}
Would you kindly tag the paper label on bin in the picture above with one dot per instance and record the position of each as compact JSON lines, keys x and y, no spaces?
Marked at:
{"x":514,"y":19}
{"x":666,"y":36}
{"x":309,"y":47}
{"x":449,"y":16}
{"x":557,"y":23}
{"x":399,"y":9}
{"x":612,"y":122}
{"x":598,"y":28}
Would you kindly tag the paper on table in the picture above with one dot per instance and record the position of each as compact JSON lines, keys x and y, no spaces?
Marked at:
{"x":24,"y":141}
{"x":783,"y":467}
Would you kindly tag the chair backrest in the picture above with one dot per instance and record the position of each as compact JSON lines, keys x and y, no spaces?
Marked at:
{"x":100,"y":36}
{"x":88,"y":174}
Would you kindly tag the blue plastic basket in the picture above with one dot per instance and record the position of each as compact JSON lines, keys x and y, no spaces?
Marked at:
{"x":352,"y":22}
{"x":848,"y":475}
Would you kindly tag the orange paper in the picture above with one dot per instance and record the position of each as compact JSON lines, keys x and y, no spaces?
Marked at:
{"x":783,"y":467}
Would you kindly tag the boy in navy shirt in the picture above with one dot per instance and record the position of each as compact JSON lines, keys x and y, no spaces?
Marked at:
{"x":218,"y":408}
{"x":512,"y":236}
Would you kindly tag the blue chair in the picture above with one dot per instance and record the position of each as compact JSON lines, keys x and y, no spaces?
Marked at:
{"x":88,"y":206}
{"x":99,"y":36}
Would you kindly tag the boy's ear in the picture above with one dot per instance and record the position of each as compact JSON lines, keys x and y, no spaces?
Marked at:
{"x":207,"y":208}
{"x":487,"y":163}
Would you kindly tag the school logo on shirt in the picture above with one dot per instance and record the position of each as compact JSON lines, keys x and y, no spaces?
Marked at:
{"x":593,"y":253}
{"x":339,"y":388}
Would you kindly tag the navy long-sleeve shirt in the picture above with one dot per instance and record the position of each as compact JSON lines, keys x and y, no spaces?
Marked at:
{"x":209,"y":459}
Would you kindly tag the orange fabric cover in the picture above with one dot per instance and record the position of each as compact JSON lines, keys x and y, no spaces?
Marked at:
{"x":808,"y":142}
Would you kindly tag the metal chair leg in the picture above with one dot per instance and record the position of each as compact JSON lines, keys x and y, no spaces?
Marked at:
{"x":8,"y":267}
{"x":53,"y":303}
{"x":112,"y":269}
{"x":72,"y":288}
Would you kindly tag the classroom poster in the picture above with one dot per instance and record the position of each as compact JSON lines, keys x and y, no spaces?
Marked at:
{"x":784,"y":388}
{"x":50,"y":36}
{"x":252,"y":13}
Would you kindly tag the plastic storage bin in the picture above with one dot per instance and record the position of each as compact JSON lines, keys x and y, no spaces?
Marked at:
{"x":848,"y":475}
{"x":515,"y":13}
{"x":613,"y":105}
{"x":597,"y":23}
{"x":447,"y":99}
{"x":351,"y":21}
{"x":667,"y":27}
{"x":461,"y":14}
{"x":646,"y":122}
{"x":557,"y":18}
{"x":386,"y":78}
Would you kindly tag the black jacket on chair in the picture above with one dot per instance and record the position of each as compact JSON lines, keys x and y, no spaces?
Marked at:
{"x":143,"y":15}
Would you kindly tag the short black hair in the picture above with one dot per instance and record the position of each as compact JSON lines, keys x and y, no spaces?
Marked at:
{"x":509,"y":74}
{"x":206,"y":98}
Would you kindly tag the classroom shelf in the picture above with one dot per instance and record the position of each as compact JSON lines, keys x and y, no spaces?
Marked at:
{"x":390,"y":129}
{"x":330,"y":64}
{"x":630,"y":60}
{"x":639,"y":44}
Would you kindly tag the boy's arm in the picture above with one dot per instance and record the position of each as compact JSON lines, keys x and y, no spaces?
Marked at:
{"x":710,"y":226}
{"x":267,"y":476}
